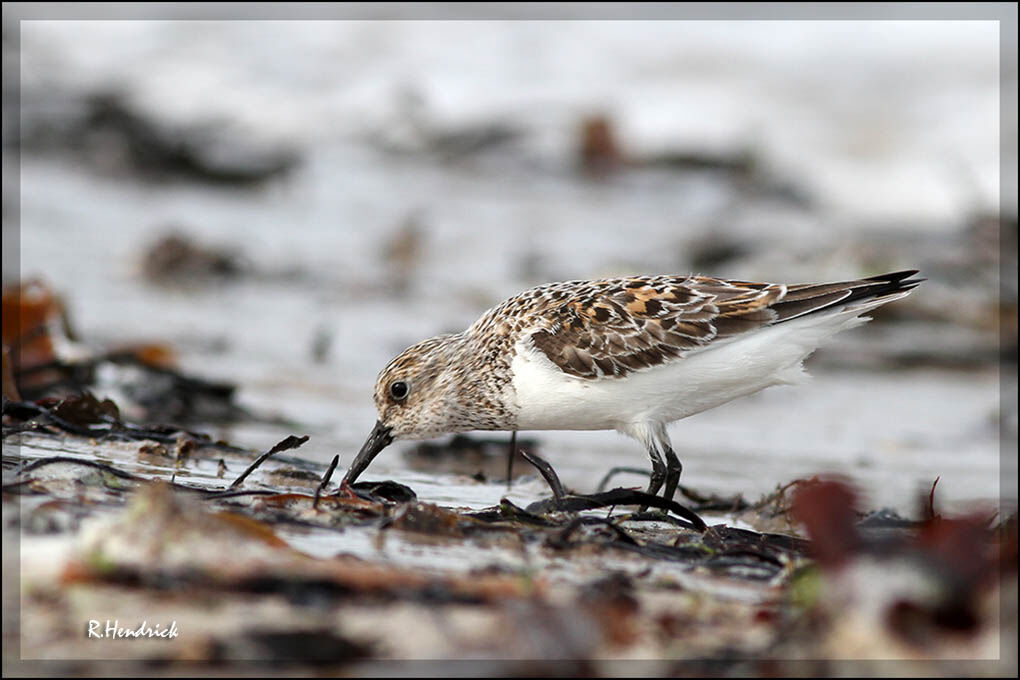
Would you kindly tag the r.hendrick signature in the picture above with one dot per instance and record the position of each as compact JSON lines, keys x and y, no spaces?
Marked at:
{"x":113,"y":629}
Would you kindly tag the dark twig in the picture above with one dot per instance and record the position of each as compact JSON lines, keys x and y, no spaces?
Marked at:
{"x":218,"y":495}
{"x":510,"y":459}
{"x":578,"y":502}
{"x":712,"y":502}
{"x":617,"y":470}
{"x":547,"y":472}
{"x":704,"y":503}
{"x":931,"y":500}
{"x":325,"y":480}
{"x":52,"y":460}
{"x":290,"y":442}
{"x":43,"y":462}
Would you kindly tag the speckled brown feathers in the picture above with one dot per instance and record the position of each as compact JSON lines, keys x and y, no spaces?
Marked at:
{"x":612,"y":327}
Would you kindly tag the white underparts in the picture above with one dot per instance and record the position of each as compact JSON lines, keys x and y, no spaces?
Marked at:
{"x":643,"y":402}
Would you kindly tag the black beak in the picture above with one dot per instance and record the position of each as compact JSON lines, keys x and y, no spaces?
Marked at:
{"x":378,"y":440}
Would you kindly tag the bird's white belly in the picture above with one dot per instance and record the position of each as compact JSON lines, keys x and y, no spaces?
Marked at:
{"x":549,"y":399}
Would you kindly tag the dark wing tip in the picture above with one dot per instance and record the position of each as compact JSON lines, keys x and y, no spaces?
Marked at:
{"x":809,"y":299}
{"x":895,"y":277}
{"x":911,"y":284}
{"x":895,"y":281}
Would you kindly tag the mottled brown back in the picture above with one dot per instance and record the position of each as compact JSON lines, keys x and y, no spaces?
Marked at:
{"x":612,"y":327}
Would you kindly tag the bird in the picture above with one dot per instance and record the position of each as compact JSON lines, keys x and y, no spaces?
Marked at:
{"x":631,"y":354}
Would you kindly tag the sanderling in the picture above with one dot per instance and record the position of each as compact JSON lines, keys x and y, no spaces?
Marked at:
{"x":628,"y":354}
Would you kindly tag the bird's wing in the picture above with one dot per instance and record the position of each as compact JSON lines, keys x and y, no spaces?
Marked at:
{"x":612,"y":327}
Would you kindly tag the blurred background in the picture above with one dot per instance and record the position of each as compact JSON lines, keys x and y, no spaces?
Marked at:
{"x":288,"y":204}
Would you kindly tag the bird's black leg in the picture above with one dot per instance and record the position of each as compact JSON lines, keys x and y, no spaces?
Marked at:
{"x":510,"y":459}
{"x":673,"y":469}
{"x":658,"y":473}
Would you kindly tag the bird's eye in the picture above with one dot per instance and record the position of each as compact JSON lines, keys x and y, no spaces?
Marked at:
{"x":399,"y":390}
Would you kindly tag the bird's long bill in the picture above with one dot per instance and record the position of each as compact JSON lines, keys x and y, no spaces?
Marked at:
{"x":378,"y":440}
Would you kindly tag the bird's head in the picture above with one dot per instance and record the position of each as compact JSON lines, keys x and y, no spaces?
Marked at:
{"x":412,"y":397}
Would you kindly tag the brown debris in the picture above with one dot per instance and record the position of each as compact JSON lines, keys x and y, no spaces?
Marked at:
{"x":177,"y":258}
{"x":773,"y":512}
{"x":89,"y":417}
{"x":152,"y":354}
{"x":952,"y":565}
{"x":386,"y":491}
{"x":35,"y":325}
{"x":10,"y":387}
{"x":427,"y":519}
{"x":29,"y":310}
{"x":599,"y":151}
{"x":827,"y":509}
{"x":42,"y":361}
{"x":402,"y":253}
{"x":611,"y":602}
{"x":85,"y":410}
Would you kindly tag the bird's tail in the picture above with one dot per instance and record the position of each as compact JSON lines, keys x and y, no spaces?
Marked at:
{"x":860,"y":295}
